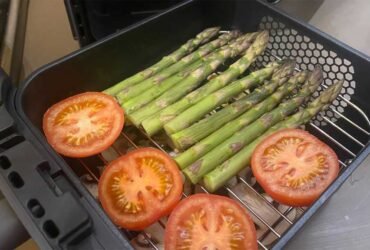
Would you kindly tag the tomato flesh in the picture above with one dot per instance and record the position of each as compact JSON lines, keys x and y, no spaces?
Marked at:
{"x":139,"y":188}
{"x":205,"y":221}
{"x":84,"y":124}
{"x":294,"y":167}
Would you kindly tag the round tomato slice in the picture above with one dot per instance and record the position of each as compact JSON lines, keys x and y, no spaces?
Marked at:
{"x":207,"y":221}
{"x":140,"y":187}
{"x":294,"y":167}
{"x":84,"y":124}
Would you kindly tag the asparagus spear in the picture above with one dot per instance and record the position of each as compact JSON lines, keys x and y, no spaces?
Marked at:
{"x":190,"y":82}
{"x":207,"y":104}
{"x":134,"y":90}
{"x":186,"y":48}
{"x":156,"y":90}
{"x":217,"y":137}
{"x":193,"y":134}
{"x":154,"y":123}
{"x":220,"y":175}
{"x":246,"y":135}
{"x":153,"y":92}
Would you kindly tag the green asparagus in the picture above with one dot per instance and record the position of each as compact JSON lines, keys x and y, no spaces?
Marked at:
{"x":190,"y":82}
{"x":154,"y":123}
{"x":210,"y":102}
{"x":186,"y":48}
{"x":220,"y":175}
{"x":246,"y":135}
{"x":217,"y":137}
{"x":134,"y":90}
{"x":193,"y":134}
{"x":156,"y":90}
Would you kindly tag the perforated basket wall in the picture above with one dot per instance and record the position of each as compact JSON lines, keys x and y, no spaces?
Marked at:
{"x":286,"y":42}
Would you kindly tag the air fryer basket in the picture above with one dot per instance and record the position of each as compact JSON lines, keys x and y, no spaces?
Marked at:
{"x":344,"y":126}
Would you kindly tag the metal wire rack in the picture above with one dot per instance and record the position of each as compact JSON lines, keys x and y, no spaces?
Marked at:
{"x":270,"y":227}
{"x":271,"y":219}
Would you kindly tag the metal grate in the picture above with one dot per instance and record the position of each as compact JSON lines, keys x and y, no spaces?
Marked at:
{"x":271,"y":219}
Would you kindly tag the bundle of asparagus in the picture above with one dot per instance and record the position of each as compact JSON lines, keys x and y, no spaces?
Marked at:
{"x":155,"y":122}
{"x":193,"y":134}
{"x":186,"y":48}
{"x":234,"y":125}
{"x":211,"y":63}
{"x":196,"y":56}
{"x":210,"y":102}
{"x":246,"y":135}
{"x":232,"y":49}
{"x":221,"y":174}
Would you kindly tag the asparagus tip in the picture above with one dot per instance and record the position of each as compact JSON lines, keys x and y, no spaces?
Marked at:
{"x":285,"y":70}
{"x":212,"y":30}
{"x":333,"y":91}
{"x":263,"y":35}
{"x":317,"y":74}
{"x":315,"y":78}
{"x":236,"y":33}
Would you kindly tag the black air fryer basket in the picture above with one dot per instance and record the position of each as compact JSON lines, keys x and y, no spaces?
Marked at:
{"x":46,"y":190}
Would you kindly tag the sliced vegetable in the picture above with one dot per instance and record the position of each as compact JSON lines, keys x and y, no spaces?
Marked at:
{"x":84,"y":124}
{"x":140,"y":187}
{"x":294,"y":167}
{"x":222,"y":173}
{"x":205,"y":221}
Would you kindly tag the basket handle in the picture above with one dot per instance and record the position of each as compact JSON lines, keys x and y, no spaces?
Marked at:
{"x":40,"y":194}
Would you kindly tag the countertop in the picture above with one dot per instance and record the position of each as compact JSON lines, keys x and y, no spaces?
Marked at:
{"x":344,"y":220}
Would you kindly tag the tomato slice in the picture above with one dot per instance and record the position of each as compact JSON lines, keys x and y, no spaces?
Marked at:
{"x":294,"y":167}
{"x":207,"y":221}
{"x":140,"y":187}
{"x":84,"y":124}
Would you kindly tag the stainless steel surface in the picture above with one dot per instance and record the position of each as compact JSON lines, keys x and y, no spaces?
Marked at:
{"x":344,"y":221}
{"x":303,"y":9}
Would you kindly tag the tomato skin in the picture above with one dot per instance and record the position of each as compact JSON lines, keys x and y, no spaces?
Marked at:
{"x":214,"y":206}
{"x":80,"y":117}
{"x":308,"y":178}
{"x":157,"y":209}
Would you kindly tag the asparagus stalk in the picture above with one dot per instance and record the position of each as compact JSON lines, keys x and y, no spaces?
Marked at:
{"x":136,"y":89}
{"x":210,"y":102}
{"x":153,"y":92}
{"x":190,"y":82}
{"x":246,"y":135}
{"x":220,"y":135}
{"x":220,"y":175}
{"x":193,"y":134}
{"x":156,"y":90}
{"x":186,"y":48}
{"x":155,"y":123}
